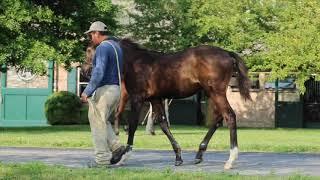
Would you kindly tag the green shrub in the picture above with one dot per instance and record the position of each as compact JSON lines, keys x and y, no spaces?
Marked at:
{"x":84,"y":114}
{"x":63,"y":108}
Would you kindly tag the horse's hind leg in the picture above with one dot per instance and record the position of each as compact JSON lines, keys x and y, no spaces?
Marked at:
{"x":159,"y":114}
{"x":228,"y":114}
{"x":217,"y":122}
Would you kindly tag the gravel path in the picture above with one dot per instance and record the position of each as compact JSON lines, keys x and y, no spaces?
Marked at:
{"x":247,"y":164}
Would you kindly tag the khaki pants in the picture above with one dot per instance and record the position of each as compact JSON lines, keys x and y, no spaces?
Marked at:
{"x":150,"y":122}
{"x":101,"y":105}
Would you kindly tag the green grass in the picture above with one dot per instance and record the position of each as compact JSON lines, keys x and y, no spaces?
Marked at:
{"x":189,"y":137}
{"x":35,"y":171}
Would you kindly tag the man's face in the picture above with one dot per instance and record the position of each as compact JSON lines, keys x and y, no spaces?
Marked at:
{"x":94,"y":37}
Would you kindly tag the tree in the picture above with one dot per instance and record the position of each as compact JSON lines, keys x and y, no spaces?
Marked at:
{"x":294,"y":48}
{"x":277,"y":36}
{"x":35,"y":31}
{"x":163,"y":25}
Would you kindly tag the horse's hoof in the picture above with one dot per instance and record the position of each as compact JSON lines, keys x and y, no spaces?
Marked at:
{"x":128,"y":148}
{"x":197,"y":161}
{"x":178,"y":163}
{"x":227,"y":166}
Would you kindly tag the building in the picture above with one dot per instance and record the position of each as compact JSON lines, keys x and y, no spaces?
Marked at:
{"x":23,"y":95}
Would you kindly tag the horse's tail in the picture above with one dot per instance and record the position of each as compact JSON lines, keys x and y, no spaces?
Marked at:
{"x":242,"y":76}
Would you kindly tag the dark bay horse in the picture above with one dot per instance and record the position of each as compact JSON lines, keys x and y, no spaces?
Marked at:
{"x":153,"y":76}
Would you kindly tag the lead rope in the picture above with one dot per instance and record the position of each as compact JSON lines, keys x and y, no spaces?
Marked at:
{"x":115,"y":50}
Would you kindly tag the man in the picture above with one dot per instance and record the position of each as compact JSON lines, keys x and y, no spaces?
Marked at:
{"x":103,"y":94}
{"x":150,"y":121}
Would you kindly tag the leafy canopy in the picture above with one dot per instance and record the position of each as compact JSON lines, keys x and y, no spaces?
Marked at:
{"x":35,"y":31}
{"x":281,"y":36}
{"x":272,"y":35}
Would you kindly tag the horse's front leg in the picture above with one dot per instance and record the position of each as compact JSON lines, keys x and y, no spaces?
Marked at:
{"x":133,"y":120}
{"x":124,"y":97}
{"x":161,"y":117}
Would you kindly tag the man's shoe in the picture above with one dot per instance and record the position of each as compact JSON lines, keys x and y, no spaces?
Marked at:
{"x":94,"y":164}
{"x":119,"y":155}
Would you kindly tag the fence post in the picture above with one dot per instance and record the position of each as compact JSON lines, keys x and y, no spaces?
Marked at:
{"x":276,"y":100}
{"x":50,"y":75}
{"x":3,"y":86}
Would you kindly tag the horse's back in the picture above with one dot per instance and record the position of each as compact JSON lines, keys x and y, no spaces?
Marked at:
{"x":184,"y":73}
{"x":179,"y":74}
{"x":212,"y":67}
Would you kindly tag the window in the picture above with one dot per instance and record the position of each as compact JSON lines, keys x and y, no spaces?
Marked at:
{"x":286,"y":84}
{"x":82,"y":81}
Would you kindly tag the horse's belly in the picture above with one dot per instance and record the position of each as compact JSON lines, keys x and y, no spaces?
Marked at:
{"x":177,"y":92}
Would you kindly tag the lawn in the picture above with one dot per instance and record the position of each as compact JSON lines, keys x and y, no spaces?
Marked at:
{"x":35,"y":171}
{"x":189,"y":137}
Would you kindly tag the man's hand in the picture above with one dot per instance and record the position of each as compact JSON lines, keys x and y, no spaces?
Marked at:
{"x":84,"y":98}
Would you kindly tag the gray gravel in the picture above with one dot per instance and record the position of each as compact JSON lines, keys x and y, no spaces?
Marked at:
{"x":248,"y":163}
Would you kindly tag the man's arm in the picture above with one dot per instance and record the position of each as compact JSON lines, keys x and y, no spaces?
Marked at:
{"x":97,"y":71}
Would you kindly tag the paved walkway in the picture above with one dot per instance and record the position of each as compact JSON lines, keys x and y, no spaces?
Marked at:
{"x":247,"y":164}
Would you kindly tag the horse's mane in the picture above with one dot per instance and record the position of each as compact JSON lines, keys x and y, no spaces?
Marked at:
{"x":131,"y":43}
{"x":126,"y":42}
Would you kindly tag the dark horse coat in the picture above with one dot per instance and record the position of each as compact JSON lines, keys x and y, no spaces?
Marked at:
{"x":153,"y":76}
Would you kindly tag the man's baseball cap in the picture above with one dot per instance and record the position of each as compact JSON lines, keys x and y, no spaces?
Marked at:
{"x":97,"y":26}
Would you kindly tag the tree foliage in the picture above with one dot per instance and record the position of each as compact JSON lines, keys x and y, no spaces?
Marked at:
{"x":32,"y":32}
{"x":163,"y":25}
{"x":272,"y":35}
{"x":281,"y":36}
{"x":294,"y":48}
